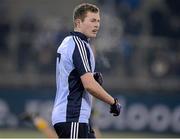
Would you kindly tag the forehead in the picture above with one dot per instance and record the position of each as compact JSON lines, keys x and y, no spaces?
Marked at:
{"x":93,"y":15}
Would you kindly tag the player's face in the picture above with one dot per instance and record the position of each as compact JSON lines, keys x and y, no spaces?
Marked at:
{"x":90,"y":25}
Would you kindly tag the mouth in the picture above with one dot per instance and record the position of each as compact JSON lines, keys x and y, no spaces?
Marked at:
{"x":95,"y":31}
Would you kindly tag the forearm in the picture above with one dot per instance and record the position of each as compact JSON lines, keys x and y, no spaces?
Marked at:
{"x":93,"y":87}
{"x":97,"y":91}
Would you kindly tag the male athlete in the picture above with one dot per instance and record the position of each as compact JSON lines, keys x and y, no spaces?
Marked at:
{"x":40,"y":123}
{"x":75,"y":79}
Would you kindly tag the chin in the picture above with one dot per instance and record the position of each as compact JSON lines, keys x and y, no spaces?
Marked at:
{"x":92,"y":35}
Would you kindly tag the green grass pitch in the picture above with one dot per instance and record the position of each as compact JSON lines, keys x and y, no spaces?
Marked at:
{"x":21,"y":133}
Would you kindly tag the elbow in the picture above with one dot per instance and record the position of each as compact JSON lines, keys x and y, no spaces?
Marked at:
{"x":87,"y":87}
{"x":88,"y":82}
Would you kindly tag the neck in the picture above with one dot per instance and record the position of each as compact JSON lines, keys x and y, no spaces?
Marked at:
{"x":77,"y":30}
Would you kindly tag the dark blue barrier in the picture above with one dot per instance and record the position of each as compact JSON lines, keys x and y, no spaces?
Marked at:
{"x":142,"y":111}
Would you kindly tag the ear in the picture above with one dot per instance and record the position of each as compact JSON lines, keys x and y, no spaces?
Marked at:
{"x":77,"y":22}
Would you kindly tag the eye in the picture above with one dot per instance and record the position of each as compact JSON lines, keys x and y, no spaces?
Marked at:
{"x":93,"y":20}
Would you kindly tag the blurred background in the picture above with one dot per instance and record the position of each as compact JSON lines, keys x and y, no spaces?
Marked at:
{"x":137,"y":50}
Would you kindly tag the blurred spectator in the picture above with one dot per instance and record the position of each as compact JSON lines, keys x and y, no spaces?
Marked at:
{"x":126,"y":7}
{"x":5,"y":28}
{"x":105,"y":3}
{"x":174,"y":21}
{"x":130,"y":13}
{"x":127,"y":51}
{"x":176,"y":65}
{"x":133,"y":23}
{"x":51,"y":35}
{"x":46,"y":59}
{"x":174,"y":27}
{"x":159,"y":62}
{"x":62,"y":32}
{"x":173,"y":6}
{"x":27,"y":31}
{"x":132,"y":4}
{"x":160,"y":21}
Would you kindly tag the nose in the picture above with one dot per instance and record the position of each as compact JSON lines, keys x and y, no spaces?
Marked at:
{"x":97,"y":25}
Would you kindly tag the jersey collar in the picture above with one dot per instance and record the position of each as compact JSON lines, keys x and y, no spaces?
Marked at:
{"x":80,"y":35}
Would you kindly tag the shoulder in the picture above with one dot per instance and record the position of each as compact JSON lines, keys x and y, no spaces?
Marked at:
{"x":77,"y":40}
{"x":67,"y":43}
{"x":80,"y":44}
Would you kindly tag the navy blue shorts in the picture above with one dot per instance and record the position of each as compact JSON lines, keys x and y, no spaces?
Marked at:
{"x":74,"y":130}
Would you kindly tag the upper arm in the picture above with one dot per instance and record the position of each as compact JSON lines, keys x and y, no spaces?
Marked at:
{"x":81,"y":57}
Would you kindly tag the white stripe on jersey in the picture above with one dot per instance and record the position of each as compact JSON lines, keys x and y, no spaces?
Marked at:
{"x":81,"y":47}
{"x":84,"y":50}
{"x":82,"y":53}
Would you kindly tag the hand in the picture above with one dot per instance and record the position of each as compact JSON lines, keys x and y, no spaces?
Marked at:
{"x":98,"y":77}
{"x":115,"y":108}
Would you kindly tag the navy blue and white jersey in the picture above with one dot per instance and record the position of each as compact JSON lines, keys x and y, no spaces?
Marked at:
{"x":74,"y":58}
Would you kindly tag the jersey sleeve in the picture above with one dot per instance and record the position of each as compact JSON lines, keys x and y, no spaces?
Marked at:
{"x":81,"y":57}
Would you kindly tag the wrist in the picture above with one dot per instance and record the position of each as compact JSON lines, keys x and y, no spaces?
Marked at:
{"x":40,"y":123}
{"x":113,"y":101}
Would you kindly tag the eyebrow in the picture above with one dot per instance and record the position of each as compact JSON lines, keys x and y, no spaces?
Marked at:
{"x":94,"y":18}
